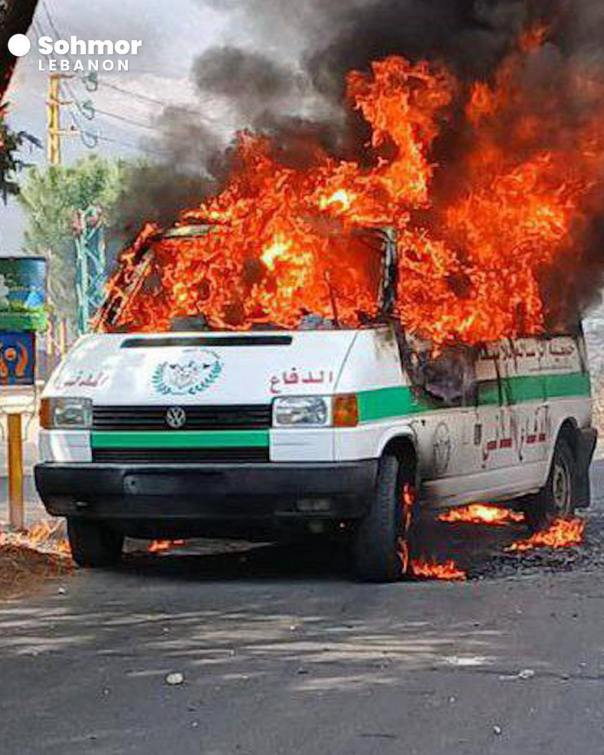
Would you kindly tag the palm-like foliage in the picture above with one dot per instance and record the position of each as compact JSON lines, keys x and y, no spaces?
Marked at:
{"x":11,"y":150}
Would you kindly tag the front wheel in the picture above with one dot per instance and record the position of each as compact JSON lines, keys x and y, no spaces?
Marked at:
{"x":380,"y":547}
{"x":558,"y":498}
{"x":93,"y":544}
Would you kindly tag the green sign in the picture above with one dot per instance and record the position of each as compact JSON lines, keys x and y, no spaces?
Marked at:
{"x":22,"y":294}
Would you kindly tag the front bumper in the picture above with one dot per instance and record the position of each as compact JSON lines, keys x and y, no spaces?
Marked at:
{"x":207,"y":499}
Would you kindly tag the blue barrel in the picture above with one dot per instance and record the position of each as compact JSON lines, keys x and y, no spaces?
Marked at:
{"x":23,"y":293}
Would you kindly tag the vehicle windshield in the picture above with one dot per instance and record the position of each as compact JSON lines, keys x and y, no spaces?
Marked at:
{"x":187,"y":280}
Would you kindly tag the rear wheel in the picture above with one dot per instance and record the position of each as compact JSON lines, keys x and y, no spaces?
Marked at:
{"x":381,"y":542}
{"x":557,"y":499}
{"x":93,"y":544}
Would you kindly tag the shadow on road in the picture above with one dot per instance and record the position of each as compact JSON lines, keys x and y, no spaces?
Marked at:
{"x":216,"y":561}
{"x":472,"y":547}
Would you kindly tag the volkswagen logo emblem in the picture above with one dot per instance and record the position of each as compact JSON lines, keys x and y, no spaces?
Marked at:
{"x":176,"y":417}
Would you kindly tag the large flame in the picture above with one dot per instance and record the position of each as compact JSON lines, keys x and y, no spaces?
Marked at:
{"x":480,"y":513}
{"x":474,"y":233}
{"x":561,"y":533}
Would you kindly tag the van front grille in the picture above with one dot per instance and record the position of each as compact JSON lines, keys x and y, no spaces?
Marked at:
{"x":179,"y":455}
{"x":233,"y":417}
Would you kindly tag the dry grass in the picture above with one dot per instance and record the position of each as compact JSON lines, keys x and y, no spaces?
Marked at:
{"x":24,"y":570}
{"x":29,"y":559}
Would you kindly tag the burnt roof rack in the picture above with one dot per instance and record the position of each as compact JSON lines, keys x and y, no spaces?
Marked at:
{"x":188,"y":231}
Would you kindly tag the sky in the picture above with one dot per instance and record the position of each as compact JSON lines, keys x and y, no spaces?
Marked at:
{"x":172,"y":34}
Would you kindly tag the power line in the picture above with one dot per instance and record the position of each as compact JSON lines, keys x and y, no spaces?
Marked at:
{"x":125,"y":119}
{"x":147,"y":98}
{"x":54,"y":27}
{"x":74,"y":112}
{"x":95,"y":137}
{"x":70,"y":92}
{"x":50,"y":20}
{"x":38,"y":28}
{"x":94,"y":110}
{"x":123,"y":90}
{"x":100,"y":137}
{"x":131,"y":93}
{"x":130,"y":145}
{"x":138,"y":147}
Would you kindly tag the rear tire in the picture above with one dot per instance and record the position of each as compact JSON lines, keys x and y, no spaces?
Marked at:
{"x":380,"y":549}
{"x":93,"y":544}
{"x":558,"y":498}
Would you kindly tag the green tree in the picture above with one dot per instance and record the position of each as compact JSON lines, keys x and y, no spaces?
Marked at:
{"x":50,"y":197}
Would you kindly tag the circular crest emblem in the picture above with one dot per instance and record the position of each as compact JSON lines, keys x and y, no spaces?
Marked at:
{"x":192,"y":375}
{"x":176,"y":417}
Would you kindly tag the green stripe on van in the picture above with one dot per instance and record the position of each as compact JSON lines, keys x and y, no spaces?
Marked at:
{"x":182,"y":439}
{"x":400,"y":401}
{"x":392,"y":402}
{"x":540,"y":387}
{"x":566,"y":386}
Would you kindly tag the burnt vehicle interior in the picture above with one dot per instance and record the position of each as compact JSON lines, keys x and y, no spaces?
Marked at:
{"x":376,"y":246}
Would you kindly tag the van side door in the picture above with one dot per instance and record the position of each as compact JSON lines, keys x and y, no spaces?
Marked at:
{"x":445,"y":384}
{"x":525,"y":402}
{"x":567,"y":384}
{"x":510,"y":406}
{"x":494,"y":451}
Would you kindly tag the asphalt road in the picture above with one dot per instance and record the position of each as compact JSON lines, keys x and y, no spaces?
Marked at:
{"x":281,"y":653}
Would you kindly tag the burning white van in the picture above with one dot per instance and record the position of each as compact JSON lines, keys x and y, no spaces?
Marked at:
{"x":321,"y":429}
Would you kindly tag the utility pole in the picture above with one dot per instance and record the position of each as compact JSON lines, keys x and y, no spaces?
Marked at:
{"x":56,"y":335}
{"x":91,"y":277}
{"x":54,"y":104}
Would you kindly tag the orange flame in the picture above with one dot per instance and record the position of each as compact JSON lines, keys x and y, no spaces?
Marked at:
{"x":162,"y":546}
{"x":561,"y":533}
{"x":470,"y":258}
{"x":482,"y":514}
{"x":447,"y":571}
{"x":41,"y":537}
{"x":533,"y":38}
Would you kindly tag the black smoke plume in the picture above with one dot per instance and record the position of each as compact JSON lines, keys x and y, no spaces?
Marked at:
{"x":289,"y":83}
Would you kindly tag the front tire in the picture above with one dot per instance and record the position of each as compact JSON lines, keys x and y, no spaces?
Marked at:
{"x":558,"y":498}
{"x":93,"y":544}
{"x":380,"y":548}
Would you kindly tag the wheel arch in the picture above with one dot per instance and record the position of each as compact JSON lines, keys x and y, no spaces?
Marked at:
{"x":404,"y":447}
{"x":569,"y":430}
{"x":581,"y":442}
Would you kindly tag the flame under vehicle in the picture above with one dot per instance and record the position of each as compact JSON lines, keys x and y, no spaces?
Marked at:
{"x":265,"y":432}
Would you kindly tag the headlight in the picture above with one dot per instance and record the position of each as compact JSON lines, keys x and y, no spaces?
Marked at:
{"x":66,"y":413}
{"x":312,"y":411}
